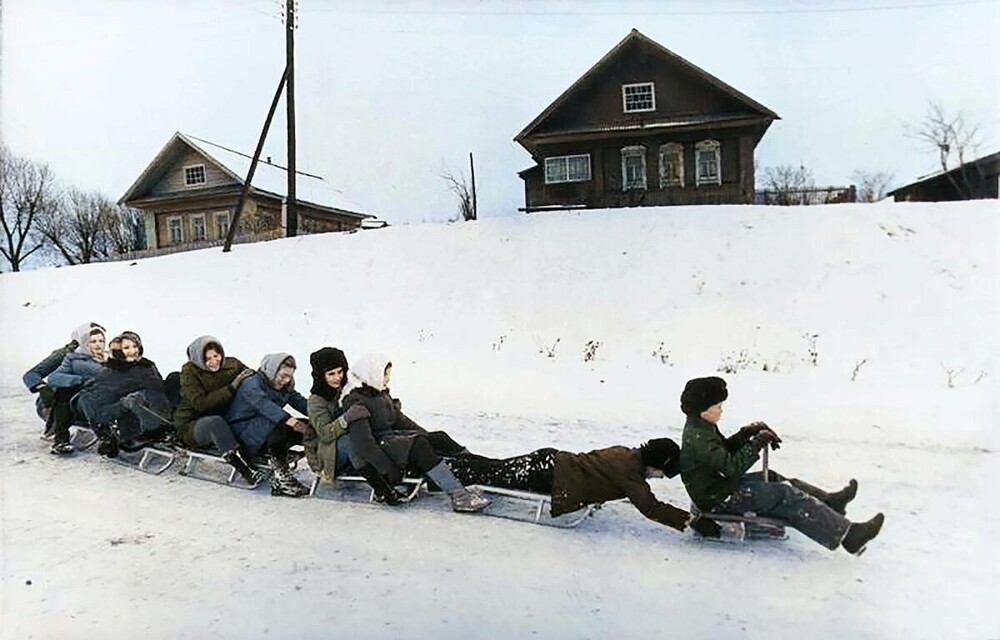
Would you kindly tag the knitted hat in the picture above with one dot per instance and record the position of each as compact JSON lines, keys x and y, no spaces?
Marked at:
{"x":701,"y":393}
{"x":322,"y":361}
{"x":663,"y":454}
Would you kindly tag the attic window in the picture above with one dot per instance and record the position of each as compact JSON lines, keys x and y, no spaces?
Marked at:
{"x":567,"y":169}
{"x":638,"y":97}
{"x":195,"y":174}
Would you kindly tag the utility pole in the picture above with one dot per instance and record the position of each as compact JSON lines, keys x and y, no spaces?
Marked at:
{"x":290,"y":204}
{"x":475,"y":206}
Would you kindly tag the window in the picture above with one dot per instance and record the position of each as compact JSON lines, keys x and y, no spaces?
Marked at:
{"x":633,"y":168}
{"x":567,"y":169}
{"x":175,"y":229}
{"x":195,"y":174}
{"x":638,"y":97}
{"x":671,"y":165}
{"x":706,"y":160}
{"x":221,"y":224}
{"x":198,"y":227}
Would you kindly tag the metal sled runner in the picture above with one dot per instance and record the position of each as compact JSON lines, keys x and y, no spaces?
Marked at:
{"x":200,"y":463}
{"x":152,"y":458}
{"x":413,"y":486}
{"x":525,"y":506}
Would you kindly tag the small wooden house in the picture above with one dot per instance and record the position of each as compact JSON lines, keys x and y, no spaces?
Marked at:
{"x":643,"y":127}
{"x":189,"y":197}
{"x":974,"y":180}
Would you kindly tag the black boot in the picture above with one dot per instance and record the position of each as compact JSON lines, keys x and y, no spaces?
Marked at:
{"x":107,"y":445}
{"x":384,"y":492}
{"x":60,"y":448}
{"x":283,"y":483}
{"x":860,"y":533}
{"x":838,"y":501}
{"x":248,"y":473}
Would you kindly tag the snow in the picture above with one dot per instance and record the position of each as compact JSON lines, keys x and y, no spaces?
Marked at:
{"x":488,"y":324}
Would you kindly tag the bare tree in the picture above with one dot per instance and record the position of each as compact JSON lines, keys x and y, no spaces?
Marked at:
{"x":27,"y":195}
{"x":787,"y":185}
{"x":126,"y":229}
{"x":463,"y":191}
{"x":871,"y":185}
{"x":955,"y":141}
{"x":77,"y":228}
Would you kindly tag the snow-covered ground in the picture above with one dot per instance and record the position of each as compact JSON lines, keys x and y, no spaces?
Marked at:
{"x":866,"y":335}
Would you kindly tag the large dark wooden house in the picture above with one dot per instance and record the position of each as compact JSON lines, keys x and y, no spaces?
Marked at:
{"x":643,"y":127}
{"x":189,"y":197}
{"x":974,"y":180}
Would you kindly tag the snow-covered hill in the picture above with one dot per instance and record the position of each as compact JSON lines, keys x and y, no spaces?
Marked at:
{"x":865,"y":334}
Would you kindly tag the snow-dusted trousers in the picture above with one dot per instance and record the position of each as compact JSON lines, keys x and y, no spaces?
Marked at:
{"x":799,"y":503}
{"x":530,"y":472}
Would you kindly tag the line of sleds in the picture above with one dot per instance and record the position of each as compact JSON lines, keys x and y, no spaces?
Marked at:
{"x":157,"y":455}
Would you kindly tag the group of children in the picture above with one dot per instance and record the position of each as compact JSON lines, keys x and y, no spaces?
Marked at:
{"x":355,"y":426}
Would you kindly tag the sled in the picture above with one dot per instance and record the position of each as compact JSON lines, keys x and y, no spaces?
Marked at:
{"x":525,"y":506}
{"x":348,"y":488}
{"x":82,"y":438}
{"x":211,"y":467}
{"x":743,"y":527}
{"x":149,"y":457}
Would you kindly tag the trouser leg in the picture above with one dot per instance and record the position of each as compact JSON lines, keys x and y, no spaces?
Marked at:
{"x":774,"y":476}
{"x":530,"y":472}
{"x":422,"y":457}
{"x":213,"y":430}
{"x":443,"y":444}
{"x":783,"y":500}
{"x":62,"y":414}
{"x":282,"y":438}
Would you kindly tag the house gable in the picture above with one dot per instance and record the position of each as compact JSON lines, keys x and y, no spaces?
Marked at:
{"x":682,"y":93}
{"x":165,"y":175}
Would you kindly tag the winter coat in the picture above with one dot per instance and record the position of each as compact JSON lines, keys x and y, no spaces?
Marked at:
{"x":204,"y":393}
{"x":711,"y":465}
{"x":76,"y":369}
{"x":325,"y":417}
{"x":257,"y":407}
{"x":381,"y":434}
{"x":99,"y":397}
{"x":36,"y":375}
{"x":580,"y":479}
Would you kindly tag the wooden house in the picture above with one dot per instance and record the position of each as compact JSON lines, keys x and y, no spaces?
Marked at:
{"x":973,"y":180}
{"x":643,"y":127}
{"x":189,"y":197}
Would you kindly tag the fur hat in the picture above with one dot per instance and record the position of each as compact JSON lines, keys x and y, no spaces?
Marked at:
{"x":663,"y":454}
{"x":701,"y":393}
{"x":322,"y":361}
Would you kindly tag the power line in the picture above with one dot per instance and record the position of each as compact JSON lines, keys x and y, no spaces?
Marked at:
{"x":627,"y":13}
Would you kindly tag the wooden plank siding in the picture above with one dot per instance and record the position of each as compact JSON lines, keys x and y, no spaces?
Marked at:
{"x":173,"y":180}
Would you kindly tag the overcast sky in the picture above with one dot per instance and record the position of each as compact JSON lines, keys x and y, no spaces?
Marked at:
{"x":391,"y":94}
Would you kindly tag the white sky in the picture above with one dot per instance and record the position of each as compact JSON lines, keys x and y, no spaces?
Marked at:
{"x":390,"y":94}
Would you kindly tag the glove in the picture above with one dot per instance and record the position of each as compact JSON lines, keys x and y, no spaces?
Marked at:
{"x":764,"y":438}
{"x":753,"y":429}
{"x":238,"y":380}
{"x":303,"y":427}
{"x":706,"y":527}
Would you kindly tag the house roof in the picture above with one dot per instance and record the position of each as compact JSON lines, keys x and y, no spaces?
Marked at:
{"x":269,"y":178}
{"x":992,"y":158}
{"x":636,"y":36}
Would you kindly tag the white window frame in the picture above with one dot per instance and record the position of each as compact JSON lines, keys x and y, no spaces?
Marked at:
{"x":638,"y":85}
{"x":204,"y":227}
{"x":180,"y":228}
{"x":190,"y":171}
{"x":222,"y":230}
{"x":553,"y":175}
{"x":668,"y":151}
{"x":708,"y":147}
{"x":634,"y":151}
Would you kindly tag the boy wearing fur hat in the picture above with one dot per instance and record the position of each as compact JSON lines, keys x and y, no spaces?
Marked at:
{"x":575,"y":480}
{"x":714,"y":468}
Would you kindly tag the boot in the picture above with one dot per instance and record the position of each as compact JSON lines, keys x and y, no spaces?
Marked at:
{"x":838,"y":501}
{"x":107,"y":445}
{"x":283,"y":483}
{"x":465,"y":501}
{"x":384,"y":492}
{"x":248,"y":473}
{"x":61,"y":449}
{"x":860,"y":533}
